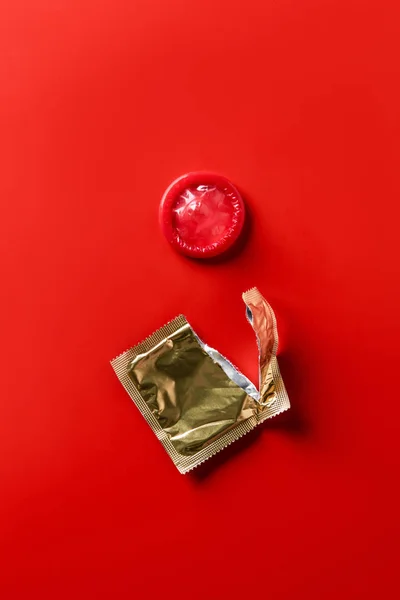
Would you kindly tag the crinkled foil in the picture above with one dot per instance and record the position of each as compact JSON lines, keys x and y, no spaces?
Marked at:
{"x":193,"y":398}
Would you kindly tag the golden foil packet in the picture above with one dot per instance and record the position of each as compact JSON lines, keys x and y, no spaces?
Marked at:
{"x":193,"y":398}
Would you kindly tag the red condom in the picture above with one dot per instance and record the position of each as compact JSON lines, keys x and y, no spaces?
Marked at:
{"x":202,"y":214}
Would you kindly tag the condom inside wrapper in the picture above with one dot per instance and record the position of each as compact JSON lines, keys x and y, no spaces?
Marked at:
{"x":193,"y":398}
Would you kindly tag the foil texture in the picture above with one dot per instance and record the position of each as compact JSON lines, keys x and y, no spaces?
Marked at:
{"x":194,"y":399}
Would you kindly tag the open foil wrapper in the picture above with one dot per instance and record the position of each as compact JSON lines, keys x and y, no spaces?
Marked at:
{"x":193,"y":398}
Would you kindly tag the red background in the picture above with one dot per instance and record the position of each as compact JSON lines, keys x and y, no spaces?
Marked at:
{"x":102,"y":104}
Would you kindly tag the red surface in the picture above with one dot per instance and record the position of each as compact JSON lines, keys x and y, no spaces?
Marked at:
{"x":202,"y":214}
{"x":102,"y":104}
